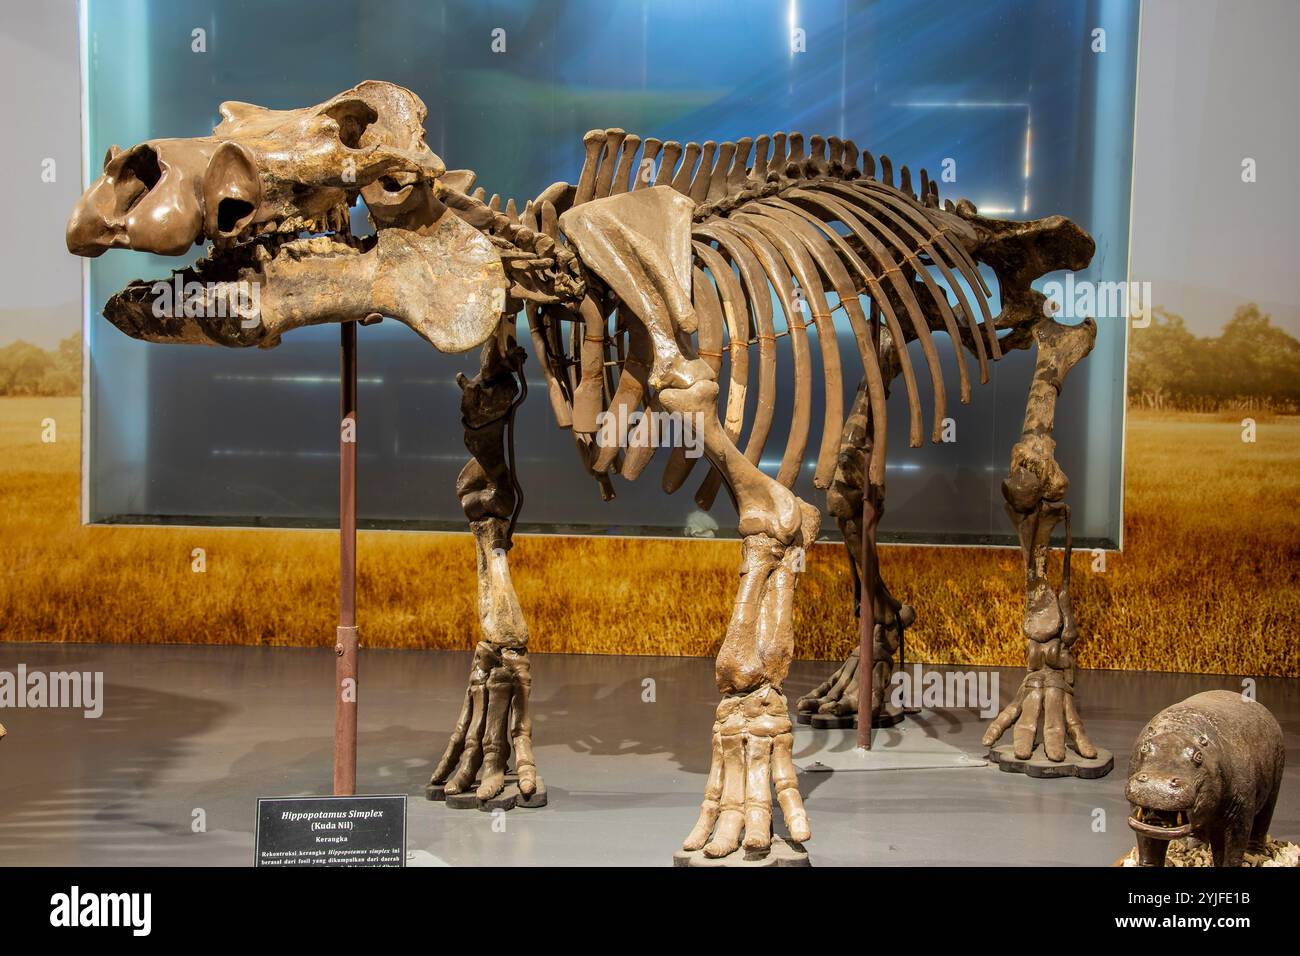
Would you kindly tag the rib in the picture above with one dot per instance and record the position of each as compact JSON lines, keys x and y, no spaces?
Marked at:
{"x":819,"y":247}
{"x":877,"y":293}
{"x":922,"y":241}
{"x":805,"y":271}
{"x":760,"y":308}
{"x":777,"y":273}
{"x":637,"y":368}
{"x":588,"y":398}
{"x":560,"y":407}
{"x":736,"y":315}
{"x":957,"y":254}
{"x":910,"y":254}
{"x":889,"y":267}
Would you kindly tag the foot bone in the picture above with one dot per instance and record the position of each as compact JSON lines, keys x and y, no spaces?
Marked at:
{"x":493,"y":722}
{"x":752,"y":751}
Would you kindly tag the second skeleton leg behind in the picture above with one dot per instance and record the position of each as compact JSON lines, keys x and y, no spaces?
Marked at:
{"x":838,"y":694}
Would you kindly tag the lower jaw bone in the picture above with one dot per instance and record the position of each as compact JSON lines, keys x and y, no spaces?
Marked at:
{"x":251,"y":311}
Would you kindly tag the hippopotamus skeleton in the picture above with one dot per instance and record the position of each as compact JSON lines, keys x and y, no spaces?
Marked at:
{"x":681,"y":248}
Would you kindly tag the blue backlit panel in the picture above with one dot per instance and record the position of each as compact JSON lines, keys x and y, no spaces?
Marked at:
{"x":1009,"y":95}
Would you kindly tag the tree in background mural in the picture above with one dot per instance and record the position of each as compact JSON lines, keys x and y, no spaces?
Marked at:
{"x":27,"y":369}
{"x":1252,"y":365}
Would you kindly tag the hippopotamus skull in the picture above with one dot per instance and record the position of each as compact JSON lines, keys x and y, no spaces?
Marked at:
{"x":271,"y":191}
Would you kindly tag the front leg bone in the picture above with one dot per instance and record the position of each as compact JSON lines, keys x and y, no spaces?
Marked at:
{"x":494,"y":720}
{"x":752,"y":732}
{"x":752,"y":751}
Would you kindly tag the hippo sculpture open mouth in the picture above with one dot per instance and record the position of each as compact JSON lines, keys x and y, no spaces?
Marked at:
{"x":1209,"y":767}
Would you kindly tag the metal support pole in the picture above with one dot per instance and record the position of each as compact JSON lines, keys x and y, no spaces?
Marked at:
{"x":867,"y":594}
{"x":867,"y":612}
{"x":345,"y":649}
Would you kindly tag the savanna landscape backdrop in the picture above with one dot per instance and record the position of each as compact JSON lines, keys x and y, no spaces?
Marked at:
{"x":1207,"y":581}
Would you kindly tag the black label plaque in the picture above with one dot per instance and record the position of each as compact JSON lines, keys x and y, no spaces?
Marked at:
{"x":331,"y":831}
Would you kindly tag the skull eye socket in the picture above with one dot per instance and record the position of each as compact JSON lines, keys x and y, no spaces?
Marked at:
{"x":353,"y":118}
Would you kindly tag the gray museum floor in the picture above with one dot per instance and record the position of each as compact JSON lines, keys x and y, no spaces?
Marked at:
{"x":187,"y":729}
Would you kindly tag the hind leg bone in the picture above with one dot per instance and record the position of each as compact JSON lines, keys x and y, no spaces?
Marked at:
{"x":838,"y":694}
{"x":1034,"y":493}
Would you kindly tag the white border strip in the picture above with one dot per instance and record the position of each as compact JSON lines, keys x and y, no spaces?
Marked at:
{"x":84,"y":63}
{"x":1128,"y":275}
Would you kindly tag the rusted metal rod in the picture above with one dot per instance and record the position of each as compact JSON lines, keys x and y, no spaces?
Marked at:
{"x":867,"y":594}
{"x":867,"y":611}
{"x":345,"y":648}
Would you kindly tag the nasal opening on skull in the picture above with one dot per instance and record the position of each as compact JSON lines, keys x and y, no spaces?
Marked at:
{"x":139,"y":173}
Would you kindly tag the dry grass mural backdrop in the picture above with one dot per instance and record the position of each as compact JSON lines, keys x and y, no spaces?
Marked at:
{"x":1208,"y":580}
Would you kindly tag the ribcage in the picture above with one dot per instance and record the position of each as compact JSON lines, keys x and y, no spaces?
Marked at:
{"x":779,"y":245}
